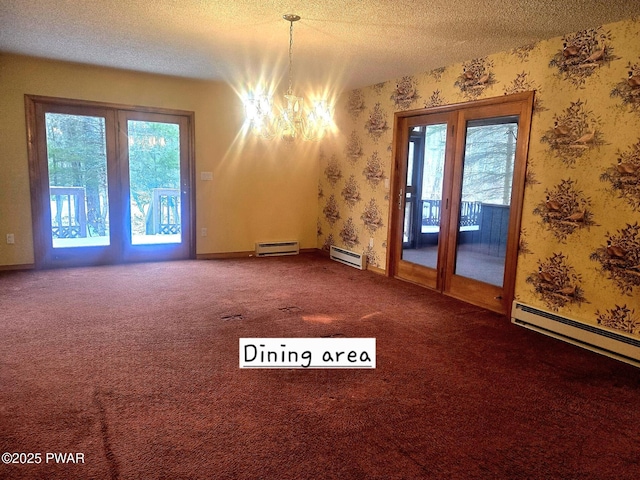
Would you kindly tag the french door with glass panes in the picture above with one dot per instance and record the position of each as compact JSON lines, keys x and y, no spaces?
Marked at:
{"x":458,"y":184}
{"x":109,"y":184}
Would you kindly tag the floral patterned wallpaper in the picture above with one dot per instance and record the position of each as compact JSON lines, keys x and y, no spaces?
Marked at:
{"x":580,"y":240}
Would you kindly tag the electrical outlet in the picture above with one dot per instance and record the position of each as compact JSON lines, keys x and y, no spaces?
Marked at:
{"x":203,"y":232}
{"x":11,"y":239}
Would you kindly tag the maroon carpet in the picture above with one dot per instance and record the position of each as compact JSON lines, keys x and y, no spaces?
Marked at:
{"x":136,"y":368}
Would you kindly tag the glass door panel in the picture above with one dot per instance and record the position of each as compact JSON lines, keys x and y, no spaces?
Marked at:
{"x":487,"y":177}
{"x":408,"y":237}
{"x":154,"y":182}
{"x":76,"y":150}
{"x":425,"y":168}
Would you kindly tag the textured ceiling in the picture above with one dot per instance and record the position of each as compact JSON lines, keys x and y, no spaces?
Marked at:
{"x":341,"y":43}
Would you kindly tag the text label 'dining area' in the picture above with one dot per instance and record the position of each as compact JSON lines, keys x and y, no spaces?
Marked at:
{"x":307,"y":353}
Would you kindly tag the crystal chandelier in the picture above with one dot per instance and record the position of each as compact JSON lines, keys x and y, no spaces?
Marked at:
{"x":292,"y":120}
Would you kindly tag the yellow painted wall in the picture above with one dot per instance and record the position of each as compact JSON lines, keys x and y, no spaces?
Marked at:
{"x":261,"y":190}
{"x":585,"y":89}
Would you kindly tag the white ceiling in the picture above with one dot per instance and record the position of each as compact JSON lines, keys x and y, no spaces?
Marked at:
{"x":342,"y":43}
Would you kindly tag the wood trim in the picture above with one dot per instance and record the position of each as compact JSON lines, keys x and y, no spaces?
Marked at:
{"x":35,"y":178}
{"x":399,"y":175}
{"x":448,"y":197}
{"x":455,"y":193}
{"x":376,"y":270}
{"x":513,"y":98}
{"x":247,"y":254}
{"x":223,"y":255}
{"x":477,"y":293}
{"x":412,"y":272}
{"x":399,"y":146}
{"x":16,"y":267}
{"x":74,"y":102}
{"x":517,"y":199}
{"x":191,"y":125}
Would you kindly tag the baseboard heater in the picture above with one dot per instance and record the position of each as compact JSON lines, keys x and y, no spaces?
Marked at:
{"x":598,"y":339}
{"x":274,"y":249}
{"x":352,"y":259}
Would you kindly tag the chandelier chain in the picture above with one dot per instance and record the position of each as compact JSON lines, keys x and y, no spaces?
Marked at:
{"x":290,"y":91}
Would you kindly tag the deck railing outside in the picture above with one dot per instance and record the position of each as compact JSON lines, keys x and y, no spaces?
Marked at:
{"x":469,"y":213}
{"x":68,"y":212}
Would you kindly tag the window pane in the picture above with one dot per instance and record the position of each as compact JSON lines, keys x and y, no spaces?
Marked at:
{"x":486,"y":196}
{"x":410,"y":161}
{"x":421,"y":240}
{"x":154,"y":182}
{"x":77,"y":162}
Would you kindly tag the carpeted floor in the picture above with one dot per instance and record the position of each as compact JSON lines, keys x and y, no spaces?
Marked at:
{"x":136,"y":367}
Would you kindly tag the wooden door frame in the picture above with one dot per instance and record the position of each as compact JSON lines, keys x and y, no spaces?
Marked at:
{"x":44,"y":253}
{"x":433,"y":278}
{"x":39,"y":178}
{"x":400,"y":138}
